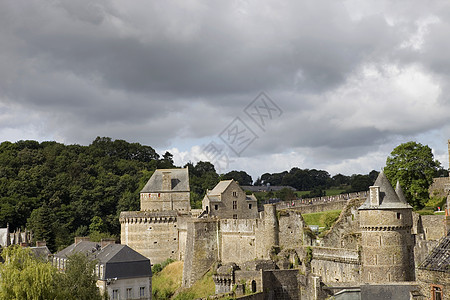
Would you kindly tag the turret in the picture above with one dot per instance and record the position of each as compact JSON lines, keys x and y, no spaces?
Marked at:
{"x":387,"y":243}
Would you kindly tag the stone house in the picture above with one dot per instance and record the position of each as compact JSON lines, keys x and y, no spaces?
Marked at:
{"x":433,"y":274}
{"x":228,"y":201}
{"x":122,"y":272}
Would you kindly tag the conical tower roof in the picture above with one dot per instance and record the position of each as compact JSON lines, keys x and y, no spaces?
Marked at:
{"x":399,"y":192}
{"x":389,"y":199}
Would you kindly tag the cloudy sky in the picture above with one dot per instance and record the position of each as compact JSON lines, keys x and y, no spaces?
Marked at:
{"x":343,"y":82}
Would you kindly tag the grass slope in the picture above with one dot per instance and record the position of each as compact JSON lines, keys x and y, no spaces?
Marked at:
{"x":166,"y":282}
{"x":321,"y":218}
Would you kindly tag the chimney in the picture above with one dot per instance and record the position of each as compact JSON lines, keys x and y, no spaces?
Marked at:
{"x":79,"y":239}
{"x":41,"y":243}
{"x":374,"y":196}
{"x":166,"y":181}
{"x":106,"y":242}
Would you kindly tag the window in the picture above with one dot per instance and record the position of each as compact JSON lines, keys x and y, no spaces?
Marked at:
{"x":234,"y":204}
{"x":129,"y":293}
{"x":115,"y":294}
{"x":399,"y":216}
{"x":234,"y":194}
{"x":436,"y":292}
{"x":235,"y":217}
{"x":216,"y":207}
{"x":249,"y":206}
{"x":142,"y":292}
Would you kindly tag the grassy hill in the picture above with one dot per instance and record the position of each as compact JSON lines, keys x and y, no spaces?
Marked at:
{"x":166,"y":284}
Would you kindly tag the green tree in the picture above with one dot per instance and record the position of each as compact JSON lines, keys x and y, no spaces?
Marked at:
{"x":23,"y":276}
{"x":79,"y":281}
{"x":240,"y":176}
{"x":41,"y":222}
{"x":413,"y":165}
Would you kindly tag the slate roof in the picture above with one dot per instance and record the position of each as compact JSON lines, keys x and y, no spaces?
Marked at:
{"x":118,"y":253}
{"x":439,"y":257}
{"x":220,"y":188}
{"x":179,"y":180}
{"x":41,"y":252}
{"x":81,"y":247}
{"x":120,"y":261}
{"x":390,"y":199}
{"x":123,"y":262}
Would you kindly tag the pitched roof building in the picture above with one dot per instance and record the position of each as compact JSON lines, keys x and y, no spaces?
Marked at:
{"x":167,"y":189}
{"x":228,"y":201}
{"x":121,"y":271}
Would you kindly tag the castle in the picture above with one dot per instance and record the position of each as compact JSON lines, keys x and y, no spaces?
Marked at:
{"x":374,"y":247}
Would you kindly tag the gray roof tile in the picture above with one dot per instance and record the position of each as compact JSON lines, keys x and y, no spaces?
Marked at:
{"x":179,"y":180}
{"x":389,"y":198}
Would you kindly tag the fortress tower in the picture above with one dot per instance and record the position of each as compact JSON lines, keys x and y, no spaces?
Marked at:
{"x":158,"y":230}
{"x":167,"y":189}
{"x":387,"y":243}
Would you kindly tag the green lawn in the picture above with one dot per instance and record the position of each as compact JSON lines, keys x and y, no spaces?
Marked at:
{"x":334,"y":192}
{"x":321,"y":218}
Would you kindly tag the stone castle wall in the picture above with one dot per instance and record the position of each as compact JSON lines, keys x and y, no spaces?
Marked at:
{"x":153,"y":234}
{"x":433,"y":226}
{"x":387,"y":245}
{"x":165,"y":201}
{"x":291,"y":229}
{"x":202,"y":249}
{"x":336,"y":265}
{"x":440,"y":187}
{"x":345,"y":232}
{"x":425,"y":278}
{"x":239,"y":238}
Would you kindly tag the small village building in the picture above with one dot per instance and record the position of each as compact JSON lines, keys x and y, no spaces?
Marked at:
{"x":228,"y":201}
{"x":122,"y":272}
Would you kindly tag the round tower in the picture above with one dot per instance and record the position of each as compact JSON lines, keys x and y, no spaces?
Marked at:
{"x":387,"y":243}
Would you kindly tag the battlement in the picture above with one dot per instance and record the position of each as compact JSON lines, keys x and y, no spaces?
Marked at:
{"x":144,"y":217}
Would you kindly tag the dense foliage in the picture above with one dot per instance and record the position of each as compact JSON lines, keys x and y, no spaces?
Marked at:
{"x":318,"y":180}
{"x":25,"y":276}
{"x":413,"y":165}
{"x":60,"y":191}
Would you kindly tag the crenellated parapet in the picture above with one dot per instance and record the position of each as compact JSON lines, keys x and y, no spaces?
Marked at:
{"x":147,"y":217}
{"x":386,"y":228}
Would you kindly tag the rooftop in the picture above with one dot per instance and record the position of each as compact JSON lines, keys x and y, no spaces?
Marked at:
{"x":179,"y":181}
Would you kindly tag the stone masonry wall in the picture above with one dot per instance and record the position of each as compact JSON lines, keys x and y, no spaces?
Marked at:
{"x":426,"y":278}
{"x":152,"y":234}
{"x":281,"y":284}
{"x":202,"y":249}
{"x":238,"y":240}
{"x":165,"y":201}
{"x":440,"y":187}
{"x":387,"y":245}
{"x":433,"y":226}
{"x":345,"y":232}
{"x":336,"y":265}
{"x":291,"y":226}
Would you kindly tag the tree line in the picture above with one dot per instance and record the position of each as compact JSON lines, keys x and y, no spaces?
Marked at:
{"x":60,"y":191}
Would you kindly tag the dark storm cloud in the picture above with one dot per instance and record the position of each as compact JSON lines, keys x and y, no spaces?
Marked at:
{"x":349,"y":76}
